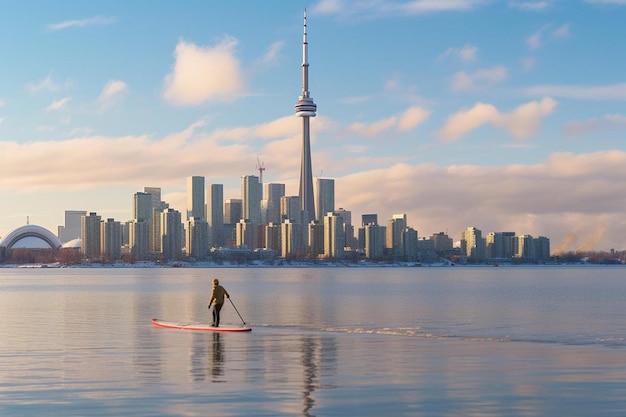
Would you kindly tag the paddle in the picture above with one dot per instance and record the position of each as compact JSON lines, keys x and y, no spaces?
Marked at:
{"x":231,"y":301}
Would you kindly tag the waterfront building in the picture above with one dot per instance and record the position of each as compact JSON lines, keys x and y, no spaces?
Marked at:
{"x":292,"y":239}
{"x":442,"y":243}
{"x":291,"y":209}
{"x":334,"y":237}
{"x":273,"y":194}
{"x":395,"y":226}
{"x":90,"y":235}
{"x":215,"y":215}
{"x":139,"y":239}
{"x":245,"y":231}
{"x":273,"y":237}
{"x":195,"y":198}
{"x":172,"y":235}
{"x":374,"y":243}
{"x":473,"y":244}
{"x":315,"y":239}
{"x":408,"y":244}
{"x":71,"y":229}
{"x":197,"y":238}
{"x":325,"y":197}
{"x":111,"y":239}
{"x":251,"y":195}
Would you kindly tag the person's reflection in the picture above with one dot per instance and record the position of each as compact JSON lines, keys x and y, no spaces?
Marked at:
{"x":217,"y":359}
{"x":309,"y":346}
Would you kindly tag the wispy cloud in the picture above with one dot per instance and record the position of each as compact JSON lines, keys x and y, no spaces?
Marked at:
{"x":47,"y":84}
{"x":408,"y":120}
{"x":466,"y":53}
{"x":271,"y":55}
{"x":537,"y":39}
{"x":615,"y":2}
{"x":93,"y":21}
{"x":111,"y":93}
{"x":531,"y":5}
{"x":481,"y":78}
{"x":522,"y":122}
{"x":58,"y":104}
{"x":581,"y":92}
{"x":203,"y":74}
{"x":609,"y":121}
{"x":376,"y":9}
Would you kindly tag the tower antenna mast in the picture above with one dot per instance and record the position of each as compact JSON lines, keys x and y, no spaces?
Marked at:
{"x":261,"y":167}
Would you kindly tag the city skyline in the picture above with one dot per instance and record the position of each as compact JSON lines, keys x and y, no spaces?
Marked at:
{"x":500,"y":115}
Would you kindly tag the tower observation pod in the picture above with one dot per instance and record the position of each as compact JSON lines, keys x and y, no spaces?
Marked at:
{"x":306,"y":108}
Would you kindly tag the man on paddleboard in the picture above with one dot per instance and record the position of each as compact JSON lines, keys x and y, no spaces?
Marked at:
{"x":217,"y":295}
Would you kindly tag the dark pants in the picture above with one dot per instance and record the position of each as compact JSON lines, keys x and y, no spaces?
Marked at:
{"x":216,"y":314}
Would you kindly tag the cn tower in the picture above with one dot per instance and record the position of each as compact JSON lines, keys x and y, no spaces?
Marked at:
{"x":305,"y":108}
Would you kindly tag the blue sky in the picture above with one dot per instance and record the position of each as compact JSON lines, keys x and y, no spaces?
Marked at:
{"x":503,"y":115}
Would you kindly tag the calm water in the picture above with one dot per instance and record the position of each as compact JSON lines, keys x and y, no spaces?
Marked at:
{"x":325,"y":342}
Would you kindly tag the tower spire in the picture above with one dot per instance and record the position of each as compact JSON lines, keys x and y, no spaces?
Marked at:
{"x":306,"y":108}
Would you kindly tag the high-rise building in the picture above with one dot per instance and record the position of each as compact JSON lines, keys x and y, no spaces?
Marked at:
{"x":395,"y":226}
{"x":325,"y":197}
{"x":233,"y":210}
{"x":139,"y":239}
{"x":251,"y":195}
{"x":291,"y":209}
{"x":316,"y":239}
{"x":369,"y":219}
{"x":215,"y":214}
{"x":90,"y":235}
{"x":334,"y":238}
{"x":71,"y":229}
{"x":408,"y":244}
{"x":171,"y":234}
{"x":292,"y":239}
{"x":306,"y":108}
{"x":273,"y":193}
{"x":197,"y":238}
{"x":374,"y":241}
{"x":442,"y":242}
{"x":142,"y":207}
{"x":111,"y":239}
{"x":195,"y":198}
{"x":473,"y":244}
{"x":155,"y":227}
{"x":246,"y":234}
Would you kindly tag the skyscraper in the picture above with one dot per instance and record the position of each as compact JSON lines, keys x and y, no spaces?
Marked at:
{"x":325,"y":197}
{"x":306,"y":108}
{"x":215,"y":214}
{"x":195,"y":198}
{"x":90,"y":235}
{"x":251,"y":195}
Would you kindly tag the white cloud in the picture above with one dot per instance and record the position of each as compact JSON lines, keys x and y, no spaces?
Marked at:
{"x":202,"y":74}
{"x":562,"y":31}
{"x":522,"y":122}
{"x":534,"y":41}
{"x":609,"y":121}
{"x":408,"y":120}
{"x":46,"y":84}
{"x":94,"y":21}
{"x":481,"y":78}
{"x":531,"y":5}
{"x":58,"y":104}
{"x":378,"y":9}
{"x":581,"y":92}
{"x":615,"y":2}
{"x":271,"y":55}
{"x":467,"y":53}
{"x":111,"y":92}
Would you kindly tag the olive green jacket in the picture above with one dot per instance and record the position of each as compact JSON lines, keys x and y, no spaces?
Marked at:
{"x":217,"y":295}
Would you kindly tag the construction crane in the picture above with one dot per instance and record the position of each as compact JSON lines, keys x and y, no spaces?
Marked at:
{"x":261,"y":167}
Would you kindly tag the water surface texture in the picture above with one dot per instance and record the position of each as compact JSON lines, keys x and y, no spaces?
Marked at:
{"x":450,"y":341}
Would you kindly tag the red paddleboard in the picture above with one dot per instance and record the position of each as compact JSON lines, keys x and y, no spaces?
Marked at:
{"x":199,"y":327}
